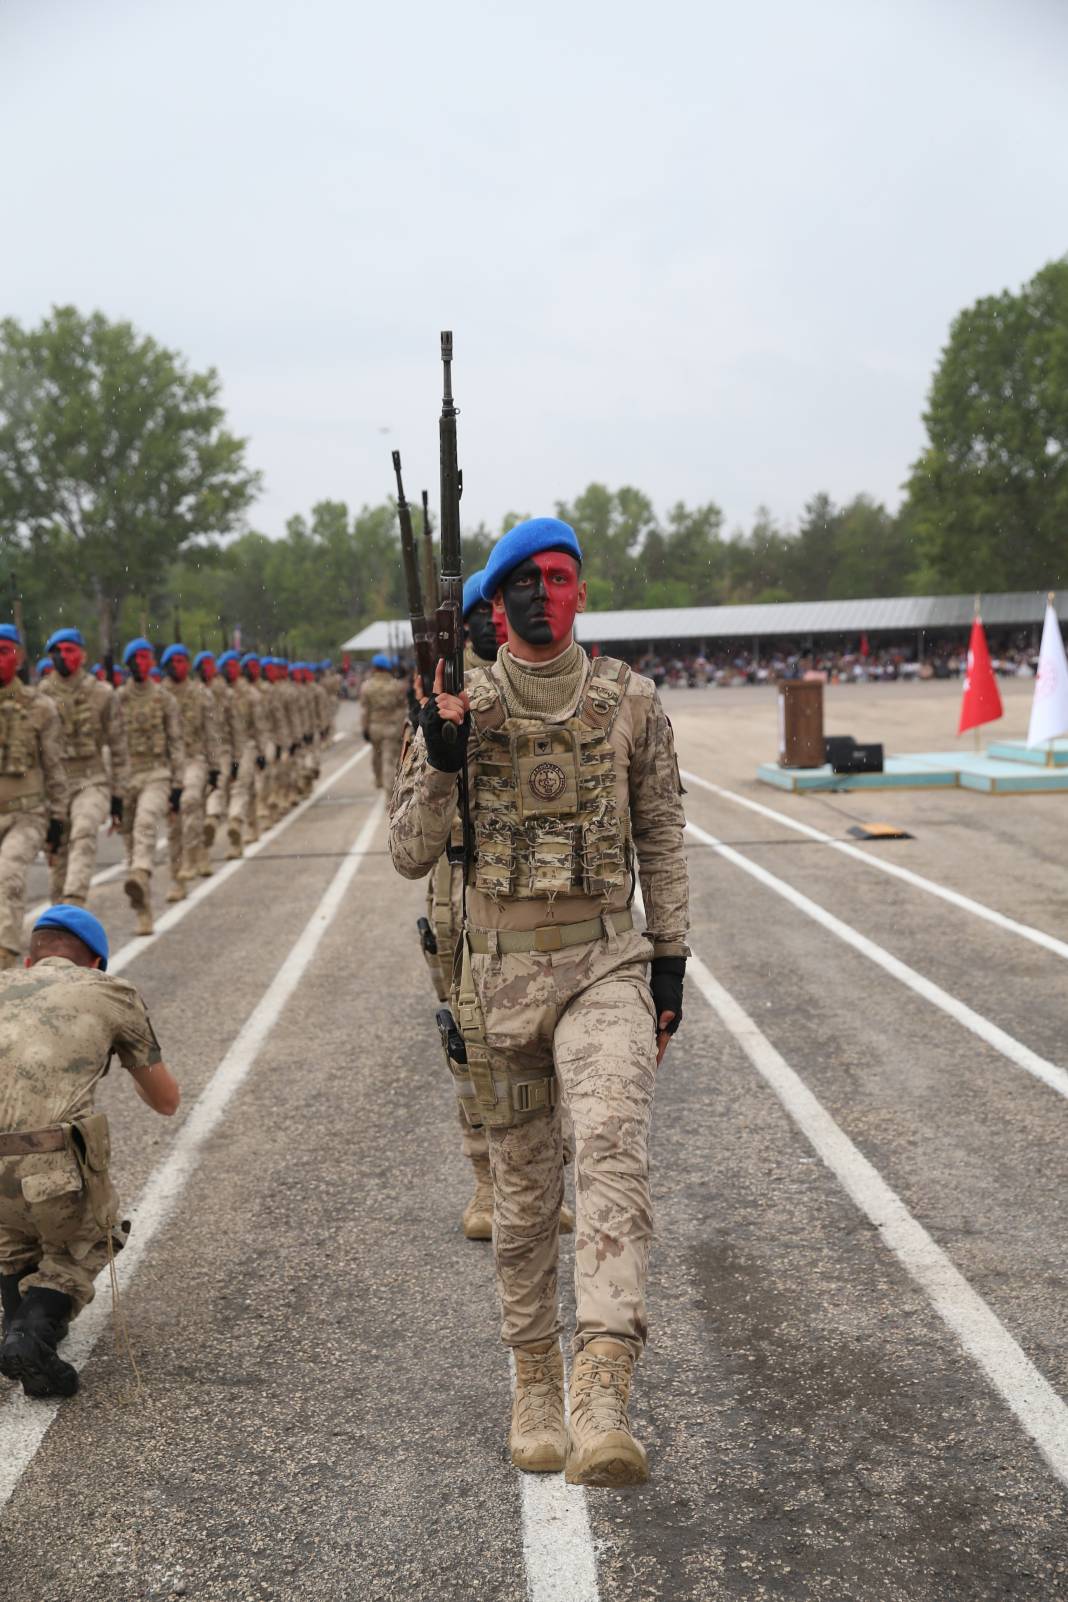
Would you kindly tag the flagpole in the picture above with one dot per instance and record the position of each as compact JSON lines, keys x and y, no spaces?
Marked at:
{"x":1049,"y":743}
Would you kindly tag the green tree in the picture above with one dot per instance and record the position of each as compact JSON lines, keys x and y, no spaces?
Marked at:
{"x":114,"y":458}
{"x":988,"y":498}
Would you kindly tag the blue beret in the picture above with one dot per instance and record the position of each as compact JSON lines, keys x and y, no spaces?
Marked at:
{"x":381,"y":660}
{"x":473,"y":590}
{"x":227,"y":656}
{"x":527,"y":539}
{"x":65,"y":637}
{"x":171,"y":652}
{"x":44,"y":663}
{"x":135,"y":645}
{"x":76,"y":921}
{"x":203,"y":656}
{"x":8,"y":631}
{"x":250,"y":656}
{"x":326,"y":663}
{"x":95,"y":667}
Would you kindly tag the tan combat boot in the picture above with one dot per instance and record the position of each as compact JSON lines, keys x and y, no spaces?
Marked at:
{"x":205,"y":866}
{"x":177,"y":889}
{"x":209,"y":833}
{"x":478,"y":1214}
{"x":138,"y":895}
{"x":235,"y":848}
{"x":8,"y":959}
{"x":537,"y":1439}
{"x":600,"y":1447}
{"x":73,"y":901}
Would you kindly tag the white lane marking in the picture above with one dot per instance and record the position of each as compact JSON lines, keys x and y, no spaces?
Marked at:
{"x":1033,"y":1401}
{"x":1030,"y":1061}
{"x":557,"y":1543}
{"x":1026,"y":931}
{"x":167,"y":920}
{"x":106,"y":875}
{"x":24,"y":1423}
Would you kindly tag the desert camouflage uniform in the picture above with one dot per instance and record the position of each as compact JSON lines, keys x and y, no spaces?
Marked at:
{"x":33,"y":788}
{"x":384,"y":702}
{"x":274,"y":786}
{"x":584,"y":1009}
{"x":59,"y":1025}
{"x":330,"y":684}
{"x":253,"y":738}
{"x":92,"y":721}
{"x":203,"y":756}
{"x":157,"y":761}
{"x":229,"y":753}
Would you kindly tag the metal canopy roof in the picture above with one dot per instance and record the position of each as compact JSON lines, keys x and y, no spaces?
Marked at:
{"x":787,"y":618}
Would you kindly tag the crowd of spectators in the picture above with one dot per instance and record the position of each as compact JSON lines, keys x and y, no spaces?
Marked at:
{"x":944,"y":659}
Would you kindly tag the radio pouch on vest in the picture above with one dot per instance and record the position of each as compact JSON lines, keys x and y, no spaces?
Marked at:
{"x":91,"y":1144}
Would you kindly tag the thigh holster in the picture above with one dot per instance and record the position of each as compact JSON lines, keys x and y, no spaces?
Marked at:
{"x":501,"y":1099}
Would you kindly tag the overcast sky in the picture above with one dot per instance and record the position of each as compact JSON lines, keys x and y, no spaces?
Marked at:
{"x":708,"y":249}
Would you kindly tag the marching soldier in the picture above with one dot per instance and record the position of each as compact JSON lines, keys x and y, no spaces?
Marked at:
{"x":157,"y":763}
{"x":251,"y":738}
{"x":34,"y":793}
{"x":279,"y":713}
{"x":572,"y":776}
{"x":384,"y":701}
{"x":258,"y":815}
{"x":200,"y":772}
{"x":206,"y":669}
{"x":330,"y":683}
{"x":92,"y":723}
{"x":61,"y":1019}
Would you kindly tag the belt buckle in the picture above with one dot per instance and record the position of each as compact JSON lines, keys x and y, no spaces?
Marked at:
{"x":549,"y":938}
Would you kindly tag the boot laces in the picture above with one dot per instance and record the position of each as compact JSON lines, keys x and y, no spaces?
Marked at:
{"x":539,"y":1398}
{"x":599,"y":1400}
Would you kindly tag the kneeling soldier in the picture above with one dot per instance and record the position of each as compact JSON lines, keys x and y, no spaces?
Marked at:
{"x":61,"y":1018}
{"x":572,"y":775}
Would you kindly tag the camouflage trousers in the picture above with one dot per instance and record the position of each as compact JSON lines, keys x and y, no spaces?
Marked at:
{"x":589,"y":1011}
{"x":385,"y":754}
{"x":185,"y":829}
{"x":72,"y":866}
{"x":444,"y":910}
{"x":242,"y":807}
{"x":21,"y":837}
{"x":147,"y":802}
{"x":46,"y":1221}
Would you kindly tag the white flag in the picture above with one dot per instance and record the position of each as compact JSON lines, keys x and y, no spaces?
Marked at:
{"x":1049,"y":709}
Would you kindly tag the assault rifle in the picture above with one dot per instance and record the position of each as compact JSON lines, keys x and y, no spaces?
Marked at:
{"x":422,"y":625}
{"x":449,"y":618}
{"x":430,"y":575}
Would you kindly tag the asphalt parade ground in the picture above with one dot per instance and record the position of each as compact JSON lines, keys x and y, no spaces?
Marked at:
{"x":856,"y":1376}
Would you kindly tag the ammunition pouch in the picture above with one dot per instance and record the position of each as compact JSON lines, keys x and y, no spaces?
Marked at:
{"x":90,"y":1142}
{"x":500,"y":1099}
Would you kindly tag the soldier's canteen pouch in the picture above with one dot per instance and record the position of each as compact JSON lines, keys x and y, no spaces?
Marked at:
{"x":91,"y":1144}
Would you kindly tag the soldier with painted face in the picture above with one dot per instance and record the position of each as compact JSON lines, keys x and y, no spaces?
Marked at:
{"x":34,"y":792}
{"x":384,"y":706}
{"x":157,"y":765}
{"x":573,"y":783}
{"x":200,"y":771}
{"x":96,"y":760}
{"x":62,"y":1017}
{"x":251,"y":741}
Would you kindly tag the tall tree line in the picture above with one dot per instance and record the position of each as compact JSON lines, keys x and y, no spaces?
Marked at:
{"x":124,"y":499}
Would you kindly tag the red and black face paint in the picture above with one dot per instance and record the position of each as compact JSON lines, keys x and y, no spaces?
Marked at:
{"x":482,"y":631}
{"x":207,"y":669}
{"x":68,"y":658}
{"x":252,"y":670}
{"x":541,"y":597}
{"x":232,"y":669}
{"x":9,"y":661}
{"x":141,"y":665}
{"x":178,"y":668}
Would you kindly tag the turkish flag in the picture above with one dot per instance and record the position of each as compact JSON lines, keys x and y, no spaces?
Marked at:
{"x":981,"y":701}
{"x":865,"y":648}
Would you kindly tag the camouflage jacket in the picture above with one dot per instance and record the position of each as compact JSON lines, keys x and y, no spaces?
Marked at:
{"x":648,"y":797}
{"x":384,"y":704}
{"x":153,"y":732}
{"x":92,"y":722}
{"x":200,"y":732}
{"x":59,"y":1025}
{"x":32,"y":771}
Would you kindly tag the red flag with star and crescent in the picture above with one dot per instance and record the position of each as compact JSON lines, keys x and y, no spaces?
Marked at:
{"x":981,"y":701}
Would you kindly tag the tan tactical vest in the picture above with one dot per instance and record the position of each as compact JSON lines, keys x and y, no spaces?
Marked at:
{"x":18,"y":737}
{"x":76,"y":715}
{"x":191,"y":708}
{"x":146,"y":728}
{"x":543,"y":797}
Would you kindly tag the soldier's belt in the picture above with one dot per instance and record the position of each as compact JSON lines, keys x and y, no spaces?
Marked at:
{"x":23,"y":803}
{"x":23,"y":1142}
{"x":550,"y":936}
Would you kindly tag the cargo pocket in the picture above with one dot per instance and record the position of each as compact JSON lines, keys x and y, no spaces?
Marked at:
{"x":61,"y":1179}
{"x":91,"y":1144}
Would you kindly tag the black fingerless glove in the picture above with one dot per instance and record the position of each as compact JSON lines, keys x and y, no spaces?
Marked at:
{"x":292,"y":749}
{"x":307,"y":739}
{"x":213,"y":778}
{"x":233,"y":769}
{"x":445,"y":755}
{"x":665,"y":980}
{"x":116,"y":808}
{"x":176,"y":798}
{"x":54,"y":837}
{"x":367,"y":736}
{"x":261,"y":762}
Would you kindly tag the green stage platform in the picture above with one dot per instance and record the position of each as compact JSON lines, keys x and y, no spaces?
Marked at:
{"x":926,"y":770}
{"x":1039,"y":756}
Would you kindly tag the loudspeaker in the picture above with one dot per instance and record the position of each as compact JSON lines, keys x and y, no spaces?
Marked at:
{"x":846,"y":756}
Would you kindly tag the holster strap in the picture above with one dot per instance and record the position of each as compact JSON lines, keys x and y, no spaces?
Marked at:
{"x":23,"y":803}
{"x":550,"y":936}
{"x":22,"y":1142}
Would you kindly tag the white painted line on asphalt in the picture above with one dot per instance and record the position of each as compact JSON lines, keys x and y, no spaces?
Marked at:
{"x":557,"y":1544}
{"x":1030,"y":1061}
{"x":977,"y":909}
{"x":24,"y":1423}
{"x":1033,"y":1401}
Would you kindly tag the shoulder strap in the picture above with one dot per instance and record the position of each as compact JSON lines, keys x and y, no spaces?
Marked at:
{"x":604,"y":693}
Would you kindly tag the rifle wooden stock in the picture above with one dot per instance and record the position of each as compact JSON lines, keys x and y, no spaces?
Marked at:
{"x":430,"y":572}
